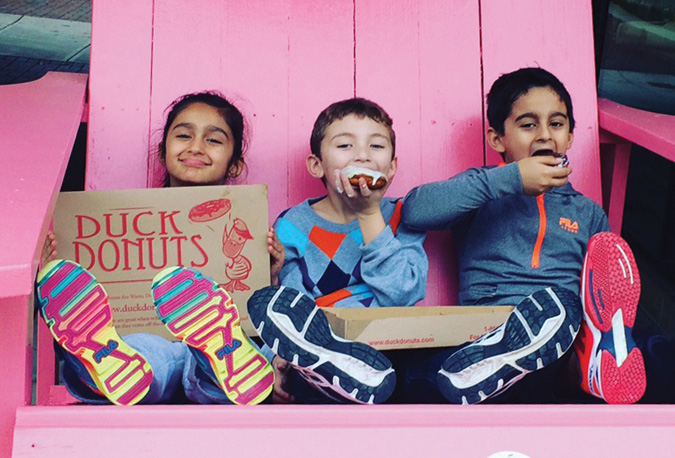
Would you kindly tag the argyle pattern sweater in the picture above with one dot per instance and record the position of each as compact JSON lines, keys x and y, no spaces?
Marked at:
{"x":330,"y":263}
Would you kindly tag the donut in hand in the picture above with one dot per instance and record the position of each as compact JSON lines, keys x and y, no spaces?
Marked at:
{"x":550,"y":152}
{"x":374,"y":179}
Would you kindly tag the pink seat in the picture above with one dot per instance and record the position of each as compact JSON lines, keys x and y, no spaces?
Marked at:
{"x":429,"y":64}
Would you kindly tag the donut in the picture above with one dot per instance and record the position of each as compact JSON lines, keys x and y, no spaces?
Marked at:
{"x":209,"y":210}
{"x":374,"y":179}
{"x":550,"y":152}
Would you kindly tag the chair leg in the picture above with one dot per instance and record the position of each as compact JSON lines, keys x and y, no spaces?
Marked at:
{"x":16,"y":354}
{"x":614,"y":160}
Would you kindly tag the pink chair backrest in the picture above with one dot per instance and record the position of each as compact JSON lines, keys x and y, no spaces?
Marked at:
{"x":283,"y":62}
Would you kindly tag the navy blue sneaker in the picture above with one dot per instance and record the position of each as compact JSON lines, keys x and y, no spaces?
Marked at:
{"x":537,"y":332}
{"x":296,"y":330}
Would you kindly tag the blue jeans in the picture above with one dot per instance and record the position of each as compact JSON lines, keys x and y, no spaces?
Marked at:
{"x":176,"y":375}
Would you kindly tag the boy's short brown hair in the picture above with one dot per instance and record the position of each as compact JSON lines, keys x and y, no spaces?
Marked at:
{"x":360,"y":107}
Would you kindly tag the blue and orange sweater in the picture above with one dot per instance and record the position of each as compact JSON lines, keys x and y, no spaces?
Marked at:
{"x":330,"y":263}
{"x":509,"y":245}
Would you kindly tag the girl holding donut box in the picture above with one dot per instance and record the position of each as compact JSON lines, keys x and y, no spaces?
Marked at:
{"x":213,"y":361}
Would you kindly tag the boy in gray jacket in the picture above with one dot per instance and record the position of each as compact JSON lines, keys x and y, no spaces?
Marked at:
{"x":522,"y":233}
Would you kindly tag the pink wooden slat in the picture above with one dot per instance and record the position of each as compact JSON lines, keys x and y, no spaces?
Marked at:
{"x":621,"y":126}
{"x":653,"y":131}
{"x":45,"y":364}
{"x":42,"y":118}
{"x":119,"y":93}
{"x":388,"y":72}
{"x":450,"y":117}
{"x":557,"y":36}
{"x":240,"y":49}
{"x":15,"y":354}
{"x":39,"y":124}
{"x":427,"y":75}
{"x":320,"y":72}
{"x":450,"y":88}
{"x":339,"y":431}
{"x":615,"y":156}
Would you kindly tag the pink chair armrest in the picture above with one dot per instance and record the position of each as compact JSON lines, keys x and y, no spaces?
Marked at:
{"x":41,"y":119}
{"x":39,"y":124}
{"x":620,"y":126}
{"x":653,"y":131}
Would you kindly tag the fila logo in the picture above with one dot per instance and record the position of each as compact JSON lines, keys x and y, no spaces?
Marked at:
{"x":105,"y":351}
{"x":227,"y":349}
{"x":568,"y":225}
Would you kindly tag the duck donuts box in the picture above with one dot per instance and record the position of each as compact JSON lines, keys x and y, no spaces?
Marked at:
{"x":394,"y":328}
{"x":124,"y":238}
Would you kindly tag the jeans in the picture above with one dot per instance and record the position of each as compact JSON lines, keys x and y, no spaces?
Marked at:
{"x":177,"y":377}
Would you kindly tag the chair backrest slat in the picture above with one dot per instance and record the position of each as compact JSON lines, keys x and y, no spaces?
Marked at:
{"x":557,"y":36}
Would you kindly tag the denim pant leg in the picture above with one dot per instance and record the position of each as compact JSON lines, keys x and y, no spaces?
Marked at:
{"x":76,"y":378}
{"x":167,"y":360}
{"x":199,"y":387}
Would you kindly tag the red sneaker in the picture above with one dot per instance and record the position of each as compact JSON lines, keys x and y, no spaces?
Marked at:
{"x":612,"y":367}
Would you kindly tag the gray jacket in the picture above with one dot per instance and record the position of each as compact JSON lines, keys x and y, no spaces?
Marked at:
{"x":509,"y":245}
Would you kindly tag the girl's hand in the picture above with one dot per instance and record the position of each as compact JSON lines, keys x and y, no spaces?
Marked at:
{"x":277,"y":255}
{"x":48,"y":250}
{"x":279,"y":394}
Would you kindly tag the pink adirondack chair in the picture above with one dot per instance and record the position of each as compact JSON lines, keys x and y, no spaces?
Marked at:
{"x":429,"y":64}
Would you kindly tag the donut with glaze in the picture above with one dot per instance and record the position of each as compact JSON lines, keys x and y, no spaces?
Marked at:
{"x":373,"y":178}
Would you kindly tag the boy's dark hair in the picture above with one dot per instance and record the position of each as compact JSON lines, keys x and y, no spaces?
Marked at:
{"x":230,"y":114}
{"x":360,"y":107}
{"x":510,"y":86}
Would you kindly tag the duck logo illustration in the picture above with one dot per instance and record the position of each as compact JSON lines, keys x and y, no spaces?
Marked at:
{"x":238,"y":268}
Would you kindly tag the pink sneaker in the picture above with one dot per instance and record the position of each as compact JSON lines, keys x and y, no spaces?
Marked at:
{"x":77,"y":312}
{"x":612,"y":367}
{"x":200,"y":313}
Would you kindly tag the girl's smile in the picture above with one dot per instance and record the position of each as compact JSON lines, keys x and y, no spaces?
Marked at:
{"x":199,"y":147}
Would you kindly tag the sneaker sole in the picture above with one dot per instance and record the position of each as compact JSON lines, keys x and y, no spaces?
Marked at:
{"x":200,"y":313}
{"x":538,"y":332}
{"x":294,"y":328}
{"x":77,"y":312}
{"x":610,"y":294}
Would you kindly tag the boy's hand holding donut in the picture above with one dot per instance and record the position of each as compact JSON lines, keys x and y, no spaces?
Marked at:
{"x":363,"y":188}
{"x":540,"y":174}
{"x":363,"y":199}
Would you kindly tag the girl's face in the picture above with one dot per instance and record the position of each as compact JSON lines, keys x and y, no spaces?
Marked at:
{"x":199,"y":147}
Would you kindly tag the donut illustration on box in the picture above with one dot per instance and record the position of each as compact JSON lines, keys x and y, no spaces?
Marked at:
{"x":209,"y":210}
{"x":240,"y":267}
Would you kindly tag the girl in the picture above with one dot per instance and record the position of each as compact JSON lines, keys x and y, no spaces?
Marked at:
{"x":203,"y":143}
